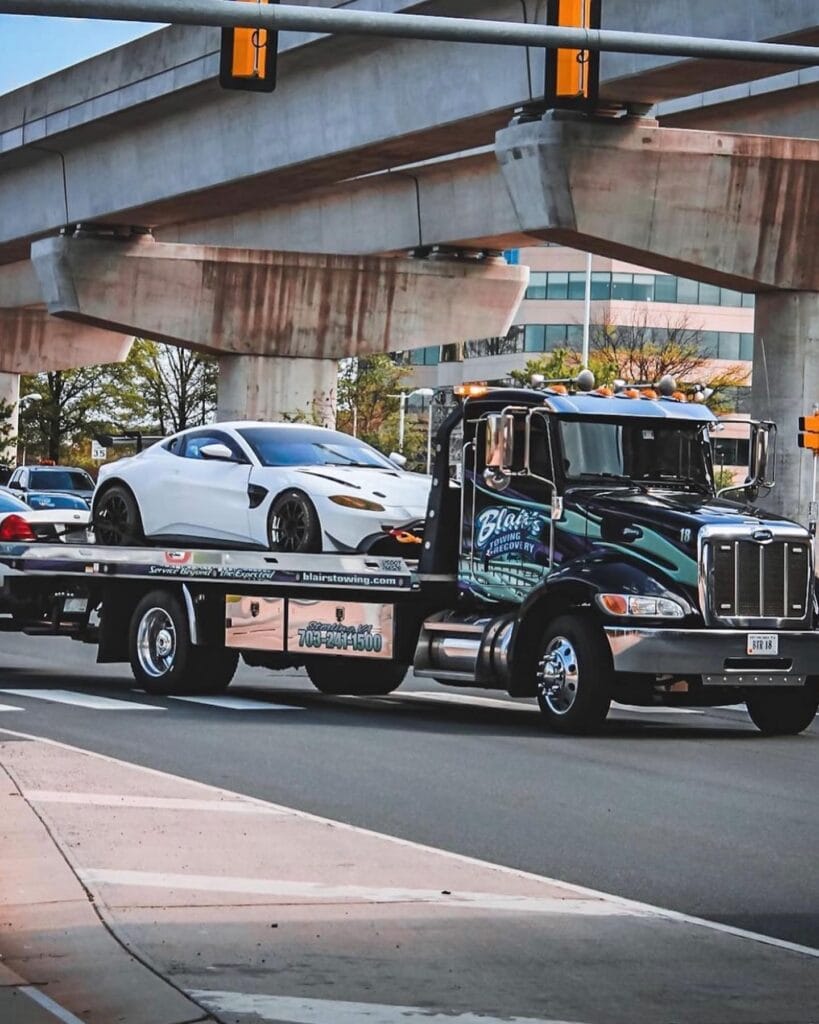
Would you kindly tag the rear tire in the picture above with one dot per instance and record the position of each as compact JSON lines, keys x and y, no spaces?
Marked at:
{"x":784,"y":712}
{"x":341,"y":676}
{"x":163,"y":659}
{"x":574,"y":674}
{"x":116,"y":518}
{"x":293,"y":524}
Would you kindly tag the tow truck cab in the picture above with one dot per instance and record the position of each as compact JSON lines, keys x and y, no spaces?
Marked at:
{"x":595,"y":560}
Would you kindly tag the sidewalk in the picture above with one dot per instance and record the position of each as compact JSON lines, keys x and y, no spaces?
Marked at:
{"x":241,"y":911}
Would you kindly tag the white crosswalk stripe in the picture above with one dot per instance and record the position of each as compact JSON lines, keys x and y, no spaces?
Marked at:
{"x":239,"y":703}
{"x":84,"y":700}
{"x":9,"y":707}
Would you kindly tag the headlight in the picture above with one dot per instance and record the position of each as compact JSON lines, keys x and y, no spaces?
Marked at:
{"x":641,"y":607}
{"x":348,"y":501}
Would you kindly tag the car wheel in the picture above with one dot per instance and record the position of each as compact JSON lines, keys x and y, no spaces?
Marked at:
{"x":163,"y":657}
{"x":293,"y":524}
{"x":116,"y":518}
{"x":574,"y":675}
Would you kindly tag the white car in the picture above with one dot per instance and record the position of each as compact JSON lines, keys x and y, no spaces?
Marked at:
{"x":272,"y":486}
{"x":21,"y":524}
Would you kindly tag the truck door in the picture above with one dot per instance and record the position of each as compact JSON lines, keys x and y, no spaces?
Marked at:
{"x":506,"y":527}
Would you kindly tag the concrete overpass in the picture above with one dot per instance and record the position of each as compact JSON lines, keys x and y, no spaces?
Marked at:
{"x":375,"y":147}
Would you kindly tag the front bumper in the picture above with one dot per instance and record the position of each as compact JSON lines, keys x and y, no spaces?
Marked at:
{"x":718,"y":656}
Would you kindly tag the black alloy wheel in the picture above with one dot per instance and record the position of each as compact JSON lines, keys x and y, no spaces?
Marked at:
{"x":116,"y":518}
{"x":294,"y":524}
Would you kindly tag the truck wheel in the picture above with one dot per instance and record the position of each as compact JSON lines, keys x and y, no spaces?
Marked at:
{"x":783,"y":712}
{"x":357,"y":678}
{"x":294,"y":524}
{"x":163,"y":659}
{"x":116,"y":518}
{"x":574,"y":675}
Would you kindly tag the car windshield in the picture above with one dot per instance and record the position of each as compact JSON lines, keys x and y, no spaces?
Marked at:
{"x":8,"y":503}
{"x":294,"y":446}
{"x":643,"y":451}
{"x":60,"y":480}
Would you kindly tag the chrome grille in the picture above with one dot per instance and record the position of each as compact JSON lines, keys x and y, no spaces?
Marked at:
{"x":750,"y":580}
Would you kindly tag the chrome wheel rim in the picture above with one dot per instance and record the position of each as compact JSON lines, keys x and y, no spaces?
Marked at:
{"x":558,"y":676}
{"x":290,"y":526}
{"x":156,"y":643}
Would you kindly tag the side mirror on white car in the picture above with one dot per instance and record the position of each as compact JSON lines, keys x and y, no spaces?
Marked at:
{"x":219,"y":452}
{"x":398,"y":459}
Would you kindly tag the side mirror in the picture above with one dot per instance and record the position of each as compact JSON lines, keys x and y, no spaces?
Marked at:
{"x":218,"y":452}
{"x":397,"y":459}
{"x":759,"y":461}
{"x":500,"y":448}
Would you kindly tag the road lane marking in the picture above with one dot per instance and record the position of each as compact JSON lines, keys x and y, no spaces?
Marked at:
{"x":297,"y":1010}
{"x":465,"y":698}
{"x":355,"y":893}
{"x":639,"y":709}
{"x":461,"y":858}
{"x":9,"y":707}
{"x":60,"y":1012}
{"x":160,"y":803}
{"x":239,"y":703}
{"x":84,"y":700}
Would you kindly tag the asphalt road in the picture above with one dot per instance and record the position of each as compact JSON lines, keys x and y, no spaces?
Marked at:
{"x":693,"y":812}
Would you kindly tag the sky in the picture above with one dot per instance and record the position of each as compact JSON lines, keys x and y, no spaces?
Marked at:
{"x":31,"y":47}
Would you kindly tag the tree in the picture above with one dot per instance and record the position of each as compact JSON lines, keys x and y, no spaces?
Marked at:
{"x":73,"y":404}
{"x":365,"y":407}
{"x":172,"y":388}
{"x":642,"y":354}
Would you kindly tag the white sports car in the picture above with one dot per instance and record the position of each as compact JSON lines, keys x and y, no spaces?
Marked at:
{"x":270,"y":486}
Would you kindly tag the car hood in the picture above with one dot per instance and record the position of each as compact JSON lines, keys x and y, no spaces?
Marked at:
{"x":388,"y":487}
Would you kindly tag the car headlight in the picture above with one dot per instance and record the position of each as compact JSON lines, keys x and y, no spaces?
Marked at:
{"x":640,"y":607}
{"x":348,"y":501}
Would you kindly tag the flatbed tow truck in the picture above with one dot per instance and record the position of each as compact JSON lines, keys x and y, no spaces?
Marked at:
{"x":584,"y":555}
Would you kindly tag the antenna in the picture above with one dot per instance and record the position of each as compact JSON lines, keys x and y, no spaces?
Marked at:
{"x":765,"y":370}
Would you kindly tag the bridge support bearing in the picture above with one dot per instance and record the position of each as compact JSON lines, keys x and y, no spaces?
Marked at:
{"x":276,"y":388}
{"x":785,"y":386}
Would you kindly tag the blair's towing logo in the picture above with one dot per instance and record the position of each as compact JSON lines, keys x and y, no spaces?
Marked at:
{"x":503,"y":531}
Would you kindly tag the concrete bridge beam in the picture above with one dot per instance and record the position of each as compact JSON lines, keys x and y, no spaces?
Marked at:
{"x":786,"y":386}
{"x":727,"y":209}
{"x":266,"y":387}
{"x":31,"y":341}
{"x":305,"y":307}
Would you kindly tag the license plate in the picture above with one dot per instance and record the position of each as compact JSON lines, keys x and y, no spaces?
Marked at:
{"x":763,"y":643}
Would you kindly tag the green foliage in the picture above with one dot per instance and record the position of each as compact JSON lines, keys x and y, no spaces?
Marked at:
{"x":366,"y":408}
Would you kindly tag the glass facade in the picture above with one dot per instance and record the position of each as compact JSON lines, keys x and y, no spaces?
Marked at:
{"x":560,"y":284}
{"x":730,"y":345}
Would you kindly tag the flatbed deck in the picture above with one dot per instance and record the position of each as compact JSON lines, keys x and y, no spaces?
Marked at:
{"x":201,"y":565}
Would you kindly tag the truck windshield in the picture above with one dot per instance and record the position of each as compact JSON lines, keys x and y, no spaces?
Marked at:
{"x":640,"y":451}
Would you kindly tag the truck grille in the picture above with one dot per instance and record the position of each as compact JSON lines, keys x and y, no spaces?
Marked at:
{"x":758,"y":581}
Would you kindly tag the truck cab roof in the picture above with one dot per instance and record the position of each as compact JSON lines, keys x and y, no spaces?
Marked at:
{"x":595,"y":404}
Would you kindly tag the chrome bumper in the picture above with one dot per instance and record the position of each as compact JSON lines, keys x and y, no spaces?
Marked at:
{"x":717,"y":655}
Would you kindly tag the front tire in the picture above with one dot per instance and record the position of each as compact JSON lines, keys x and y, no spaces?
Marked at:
{"x":293,"y":524}
{"x":574,"y":675}
{"x":354,"y":677}
{"x":163,"y":659}
{"x":116,"y":518}
{"x":784,"y":712}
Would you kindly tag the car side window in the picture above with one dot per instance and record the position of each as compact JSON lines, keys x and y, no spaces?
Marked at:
{"x":194,"y":443}
{"x":174,"y":446}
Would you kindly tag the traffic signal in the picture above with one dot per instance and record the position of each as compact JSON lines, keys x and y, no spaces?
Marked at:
{"x":809,"y":432}
{"x":572,"y":76}
{"x":248,"y":57}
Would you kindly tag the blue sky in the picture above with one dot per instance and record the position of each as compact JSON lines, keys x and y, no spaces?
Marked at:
{"x":32,"y":47}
